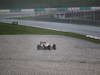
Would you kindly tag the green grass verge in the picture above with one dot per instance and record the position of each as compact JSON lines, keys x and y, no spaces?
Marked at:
{"x":11,"y":29}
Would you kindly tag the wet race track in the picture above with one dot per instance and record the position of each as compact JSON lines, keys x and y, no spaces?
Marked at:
{"x":19,"y":56}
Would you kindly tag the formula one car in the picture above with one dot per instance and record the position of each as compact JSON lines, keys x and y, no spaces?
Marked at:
{"x":46,"y":46}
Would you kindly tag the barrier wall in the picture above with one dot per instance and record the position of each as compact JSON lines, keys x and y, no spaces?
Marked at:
{"x":45,"y":11}
{"x":49,"y":9}
{"x":4,"y":10}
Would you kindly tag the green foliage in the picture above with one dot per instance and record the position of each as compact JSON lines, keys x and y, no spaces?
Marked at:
{"x":46,"y":3}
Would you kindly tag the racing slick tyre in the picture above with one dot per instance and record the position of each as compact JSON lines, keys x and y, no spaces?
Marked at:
{"x":49,"y":47}
{"x":54,"y":46}
{"x":38,"y":47}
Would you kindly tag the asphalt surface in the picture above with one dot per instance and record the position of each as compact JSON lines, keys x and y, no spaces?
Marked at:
{"x":19,"y":56}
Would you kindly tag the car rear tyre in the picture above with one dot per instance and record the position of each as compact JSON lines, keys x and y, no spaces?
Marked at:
{"x":54,"y":46}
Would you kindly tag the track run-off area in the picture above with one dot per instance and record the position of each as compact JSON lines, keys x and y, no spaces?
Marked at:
{"x":19,"y":56}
